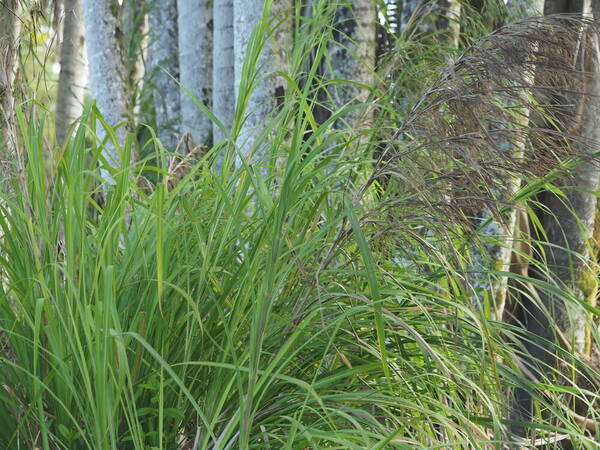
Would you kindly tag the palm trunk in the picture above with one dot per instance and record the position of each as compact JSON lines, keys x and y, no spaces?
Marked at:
{"x":195,"y":65}
{"x":163,"y":65}
{"x":73,"y":70}
{"x":106,"y":72}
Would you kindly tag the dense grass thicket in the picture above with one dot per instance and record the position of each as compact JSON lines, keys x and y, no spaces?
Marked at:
{"x":267,"y":306}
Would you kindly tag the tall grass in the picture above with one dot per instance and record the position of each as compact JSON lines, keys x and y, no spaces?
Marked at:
{"x":248,"y":309}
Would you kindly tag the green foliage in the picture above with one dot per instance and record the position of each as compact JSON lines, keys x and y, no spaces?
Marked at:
{"x":248,"y":309}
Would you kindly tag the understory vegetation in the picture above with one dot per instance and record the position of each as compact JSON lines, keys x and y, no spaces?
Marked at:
{"x":327,"y":296}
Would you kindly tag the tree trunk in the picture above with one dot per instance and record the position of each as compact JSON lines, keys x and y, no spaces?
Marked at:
{"x":409,"y":11}
{"x":106,"y":72}
{"x":10,"y":25}
{"x":134,"y":28}
{"x":353,"y":56}
{"x":519,"y":9}
{"x":499,"y":233}
{"x":450,"y":20}
{"x":569,"y":224}
{"x":195,"y":65}
{"x":58,"y":10}
{"x":163,"y":64}
{"x":261,"y":85}
{"x":433,"y":16}
{"x":560,"y":6}
{"x":73,"y":70}
{"x":223,"y":67}
{"x":569,"y":228}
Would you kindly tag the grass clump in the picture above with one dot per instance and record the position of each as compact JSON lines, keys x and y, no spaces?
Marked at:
{"x":260,"y":307}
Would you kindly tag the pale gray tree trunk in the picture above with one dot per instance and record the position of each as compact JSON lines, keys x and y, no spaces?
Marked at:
{"x":498,"y":239}
{"x":353,"y":57}
{"x":57,"y":17}
{"x":10,"y":25}
{"x":247,"y":15}
{"x":106,"y":71}
{"x":451,"y":12}
{"x":134,"y":25}
{"x":268,"y":86}
{"x":163,"y":66}
{"x":223,"y":67}
{"x":195,"y":24}
{"x":73,"y":70}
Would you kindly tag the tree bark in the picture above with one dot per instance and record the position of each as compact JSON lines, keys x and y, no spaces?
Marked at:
{"x":73,"y":70}
{"x":569,"y":224}
{"x":450,"y":16}
{"x":445,"y":15}
{"x":409,"y":8}
{"x":561,"y":6}
{"x":134,"y":28}
{"x":106,"y":73}
{"x":499,"y":233}
{"x":195,"y":24}
{"x":518,"y":9}
{"x":163,"y":66}
{"x":353,"y":56}
{"x":10,"y":25}
{"x":223,"y":67}
{"x":261,"y":86}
